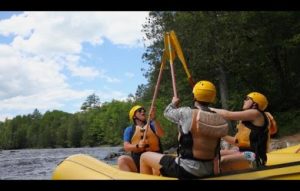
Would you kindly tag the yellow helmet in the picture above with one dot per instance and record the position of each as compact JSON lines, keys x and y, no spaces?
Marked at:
{"x":260,"y":99}
{"x":133,"y":110}
{"x":204,"y":91}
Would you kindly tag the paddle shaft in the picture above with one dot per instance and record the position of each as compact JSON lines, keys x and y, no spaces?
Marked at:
{"x":172,"y":67}
{"x":155,"y":94}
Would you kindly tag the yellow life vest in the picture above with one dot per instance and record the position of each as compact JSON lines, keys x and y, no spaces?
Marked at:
{"x":152,"y":140}
{"x":242,"y":137}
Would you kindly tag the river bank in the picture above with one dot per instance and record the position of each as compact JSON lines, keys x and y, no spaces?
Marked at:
{"x":284,"y":142}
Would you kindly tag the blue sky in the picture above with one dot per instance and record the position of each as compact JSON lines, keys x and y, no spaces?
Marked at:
{"x":54,"y":60}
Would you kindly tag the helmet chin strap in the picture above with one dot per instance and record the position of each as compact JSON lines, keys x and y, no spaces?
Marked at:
{"x":254,"y":105}
{"x":136,"y":118}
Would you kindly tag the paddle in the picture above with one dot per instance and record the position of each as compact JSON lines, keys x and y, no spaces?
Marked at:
{"x":181,"y":57}
{"x":172,"y":46}
{"x":145,"y":129}
{"x":171,"y":64}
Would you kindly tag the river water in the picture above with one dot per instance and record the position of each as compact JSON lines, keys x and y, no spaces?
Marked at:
{"x":38,"y":164}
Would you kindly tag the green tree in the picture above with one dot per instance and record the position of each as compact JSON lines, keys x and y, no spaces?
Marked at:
{"x":92,"y":101}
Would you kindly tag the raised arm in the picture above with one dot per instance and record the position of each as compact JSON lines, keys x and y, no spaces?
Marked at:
{"x":171,"y":112}
{"x":158,"y":129}
{"x":246,"y":115}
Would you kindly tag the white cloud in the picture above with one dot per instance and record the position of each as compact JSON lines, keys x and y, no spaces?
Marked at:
{"x":82,"y":71}
{"x":107,"y":94}
{"x":103,"y":75}
{"x":129,"y":74}
{"x":53,"y":32}
{"x":44,"y":101}
{"x":123,"y":31}
{"x":19,"y":25}
{"x":90,"y":72}
{"x":47,"y":44}
{"x":24,"y":75}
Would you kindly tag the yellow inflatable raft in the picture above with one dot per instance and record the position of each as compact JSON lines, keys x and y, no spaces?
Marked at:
{"x":281,"y":165}
{"x":288,"y":150}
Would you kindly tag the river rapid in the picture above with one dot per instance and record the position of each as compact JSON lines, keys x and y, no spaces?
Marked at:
{"x":38,"y":164}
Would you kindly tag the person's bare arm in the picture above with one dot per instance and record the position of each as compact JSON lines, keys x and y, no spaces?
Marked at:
{"x":229,"y":139}
{"x":246,"y":115}
{"x":132,"y":147}
{"x":158,"y":130}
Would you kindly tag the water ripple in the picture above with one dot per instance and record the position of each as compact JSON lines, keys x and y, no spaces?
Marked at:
{"x":38,"y":164}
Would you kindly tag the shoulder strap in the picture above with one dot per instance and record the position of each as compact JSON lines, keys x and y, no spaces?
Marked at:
{"x":204,"y":108}
{"x":133,"y":127}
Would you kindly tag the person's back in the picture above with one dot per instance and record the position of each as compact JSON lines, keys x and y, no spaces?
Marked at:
{"x":200,"y":131}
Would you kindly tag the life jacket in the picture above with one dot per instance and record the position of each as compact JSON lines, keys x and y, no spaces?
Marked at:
{"x":242,"y":137}
{"x":253,"y":138}
{"x":243,"y":134}
{"x":153,"y":141}
{"x":272,"y":124}
{"x":203,"y":141}
{"x":151,"y":138}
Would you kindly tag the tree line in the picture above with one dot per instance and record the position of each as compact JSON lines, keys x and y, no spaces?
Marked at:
{"x":93,"y":126}
{"x":240,"y":52}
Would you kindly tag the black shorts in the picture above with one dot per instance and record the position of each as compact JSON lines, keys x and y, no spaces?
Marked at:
{"x":171,"y":169}
{"x":136,"y":158}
